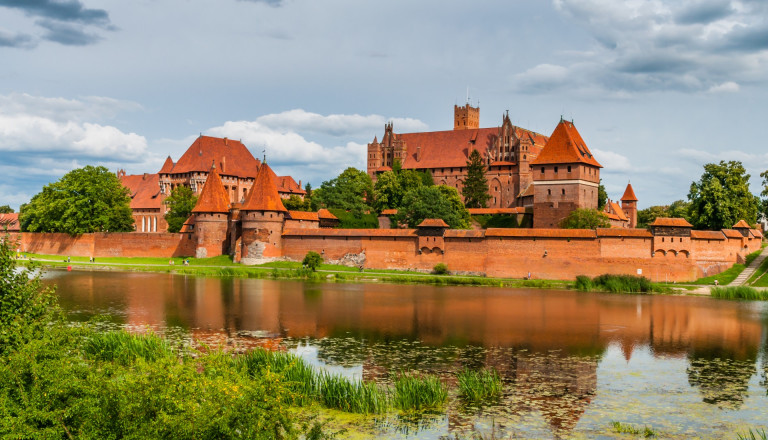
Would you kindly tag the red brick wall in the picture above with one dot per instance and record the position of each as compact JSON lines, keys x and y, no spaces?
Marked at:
{"x":119,"y":244}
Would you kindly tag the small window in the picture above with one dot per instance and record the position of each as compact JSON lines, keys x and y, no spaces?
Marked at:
{"x":555,"y":169}
{"x":549,"y":192}
{"x":569,"y":168}
{"x":542,"y":170}
{"x":563,"y":190}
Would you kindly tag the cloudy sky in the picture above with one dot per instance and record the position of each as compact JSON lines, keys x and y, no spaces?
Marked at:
{"x":657,"y":88}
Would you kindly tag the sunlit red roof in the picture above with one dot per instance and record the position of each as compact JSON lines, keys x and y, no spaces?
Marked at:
{"x":433,"y":223}
{"x":566,"y":146}
{"x":741,"y":224}
{"x":9,"y":222}
{"x":708,"y":235}
{"x":673,"y":222}
{"x":494,"y":211}
{"x":613,"y":232}
{"x":231,"y":157}
{"x":326,"y":214}
{"x":144,"y":190}
{"x":629,"y":194}
{"x":286,"y":185}
{"x":263,"y":195}
{"x":213,"y":197}
{"x":303,"y":215}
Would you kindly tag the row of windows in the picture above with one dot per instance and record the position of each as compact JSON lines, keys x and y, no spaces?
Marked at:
{"x":556,"y":169}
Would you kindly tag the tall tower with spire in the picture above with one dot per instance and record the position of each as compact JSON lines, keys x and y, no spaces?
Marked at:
{"x":262,"y":217}
{"x":629,"y":205}
{"x":211,"y":213}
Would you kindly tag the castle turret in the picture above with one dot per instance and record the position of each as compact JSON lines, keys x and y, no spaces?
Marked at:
{"x":466,"y":117}
{"x":211,"y":217}
{"x":629,"y":205}
{"x":262,"y":217}
{"x":566,"y":177}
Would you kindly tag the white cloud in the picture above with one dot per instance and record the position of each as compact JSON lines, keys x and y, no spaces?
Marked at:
{"x":612,"y":162}
{"x":89,"y":108}
{"x":335,"y":125}
{"x":726,"y":87}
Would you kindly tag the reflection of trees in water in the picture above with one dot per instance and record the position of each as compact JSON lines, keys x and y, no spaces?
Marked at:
{"x":722,"y":379}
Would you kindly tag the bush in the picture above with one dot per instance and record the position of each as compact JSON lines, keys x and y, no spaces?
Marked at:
{"x":440,"y":269}
{"x":312,"y":260}
{"x":584,"y":283}
{"x":615,"y":284}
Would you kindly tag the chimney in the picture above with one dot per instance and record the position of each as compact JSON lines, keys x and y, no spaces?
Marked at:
{"x":145,"y":176}
{"x":226,"y":141}
{"x":224,"y":162}
{"x":299,"y":183}
{"x":418,"y":153}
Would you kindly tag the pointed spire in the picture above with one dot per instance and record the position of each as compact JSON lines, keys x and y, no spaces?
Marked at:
{"x":263,"y":195}
{"x":213,"y":197}
{"x":167,"y":166}
{"x":629,"y":194}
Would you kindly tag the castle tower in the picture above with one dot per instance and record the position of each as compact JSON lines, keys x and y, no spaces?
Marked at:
{"x":565,"y":177}
{"x":629,"y":205}
{"x":262,"y":217}
{"x":211,"y":217}
{"x":466,"y":117}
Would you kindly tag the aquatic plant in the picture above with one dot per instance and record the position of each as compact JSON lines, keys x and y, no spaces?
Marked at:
{"x":738,"y":292}
{"x":617,"y":284}
{"x":298,"y":376}
{"x":626,"y":428}
{"x":753,"y":435}
{"x":479,"y":386}
{"x":352,"y":396}
{"x":123,"y":347}
{"x":414,"y":391}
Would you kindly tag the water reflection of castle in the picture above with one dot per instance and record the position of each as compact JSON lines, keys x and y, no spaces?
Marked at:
{"x":556,"y":338}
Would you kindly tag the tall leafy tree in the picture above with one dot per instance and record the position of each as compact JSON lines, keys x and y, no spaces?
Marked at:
{"x":602,"y":196}
{"x":295,"y":203}
{"x":584,"y":218}
{"x":763,"y":208}
{"x":391,"y":186}
{"x":677,"y":209}
{"x":441,"y":202}
{"x":89,"y":199}
{"x":6,"y":209}
{"x":722,"y":197}
{"x":350,"y":191}
{"x":475,"y":189}
{"x":180,"y":204}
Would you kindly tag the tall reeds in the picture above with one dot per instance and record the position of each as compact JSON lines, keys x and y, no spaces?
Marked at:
{"x":616,"y":284}
{"x":738,"y":292}
{"x":358,"y":397}
{"x":415,"y":391}
{"x":123,"y":347}
{"x":479,"y":386}
{"x":299,"y":376}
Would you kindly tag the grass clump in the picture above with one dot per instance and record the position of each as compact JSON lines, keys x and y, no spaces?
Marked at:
{"x":617,"y":284}
{"x":124,"y":348}
{"x":626,"y":428}
{"x":440,"y":269}
{"x":757,"y":434}
{"x":357,"y":397}
{"x":298,"y":376}
{"x":738,"y":292}
{"x":479,"y":386}
{"x":413,"y":391}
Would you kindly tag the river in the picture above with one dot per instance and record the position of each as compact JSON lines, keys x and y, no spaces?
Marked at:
{"x":572,"y":363}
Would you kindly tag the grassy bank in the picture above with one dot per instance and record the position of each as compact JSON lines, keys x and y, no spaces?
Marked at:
{"x":738,"y":292}
{"x":618,"y":284}
{"x":730,"y":274}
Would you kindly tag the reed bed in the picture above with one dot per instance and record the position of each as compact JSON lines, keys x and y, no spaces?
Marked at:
{"x":357,"y":397}
{"x":123,"y":347}
{"x":616,"y":284}
{"x":757,"y":434}
{"x":300,"y":378}
{"x":414,"y":391}
{"x":626,"y":428}
{"x":738,"y":292}
{"x":481,"y":386}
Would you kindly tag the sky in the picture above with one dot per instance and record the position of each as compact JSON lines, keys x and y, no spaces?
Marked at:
{"x":657,"y":88}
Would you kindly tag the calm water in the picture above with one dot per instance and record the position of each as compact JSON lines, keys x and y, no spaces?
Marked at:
{"x":572,"y":363}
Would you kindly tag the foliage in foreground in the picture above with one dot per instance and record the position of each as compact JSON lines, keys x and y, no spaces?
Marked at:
{"x":757,"y":434}
{"x":414,"y":391}
{"x":479,"y":386}
{"x":738,"y":292}
{"x":312,"y":261}
{"x":616,"y":284}
{"x":626,"y":428}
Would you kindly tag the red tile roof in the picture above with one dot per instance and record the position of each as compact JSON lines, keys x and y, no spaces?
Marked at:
{"x":742,"y":224}
{"x":303,"y":215}
{"x":757,"y":233}
{"x":543,"y":233}
{"x":326,"y":214}
{"x":493,"y":211}
{"x":565,"y":146}
{"x":350,"y":232}
{"x":231,"y":157}
{"x":189,"y":225}
{"x":433,"y":223}
{"x":629,"y":194}
{"x":614,"y":208}
{"x":612,"y":216}
{"x":213,"y":197}
{"x":10,"y":222}
{"x":389,"y":212}
{"x":708,"y":235}
{"x":674,"y":222}
{"x":167,"y":166}
{"x":263,"y":195}
{"x":528,"y":191}
{"x":451,"y":148}
{"x":144,"y":190}
{"x":611,"y":232}
{"x":286,"y":185}
{"x":464,"y":233}
{"x":732,"y":233}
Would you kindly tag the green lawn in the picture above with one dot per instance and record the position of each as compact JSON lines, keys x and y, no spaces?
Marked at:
{"x":730,"y":274}
{"x":222,"y":260}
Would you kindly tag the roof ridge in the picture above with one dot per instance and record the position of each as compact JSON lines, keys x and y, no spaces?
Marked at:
{"x":263,"y":195}
{"x":213,"y":197}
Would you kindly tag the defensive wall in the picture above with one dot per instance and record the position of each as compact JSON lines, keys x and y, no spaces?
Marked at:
{"x":544,"y":253}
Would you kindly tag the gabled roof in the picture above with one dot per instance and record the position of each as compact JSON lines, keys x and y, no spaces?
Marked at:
{"x":433,"y":223}
{"x":326,"y":214}
{"x":391,"y":211}
{"x":566,"y":146}
{"x":757,"y":233}
{"x":732,"y":233}
{"x":213,"y":197}
{"x":303,"y":215}
{"x":614,"y":208}
{"x":167,"y":166}
{"x":231,"y":157}
{"x":451,"y":148}
{"x":286,"y":185}
{"x":189,"y":225}
{"x":741,"y":224}
{"x":629,"y":194}
{"x":674,"y":222}
{"x":10,"y":222}
{"x":708,"y":235}
{"x":263,"y":195}
{"x":144,"y":190}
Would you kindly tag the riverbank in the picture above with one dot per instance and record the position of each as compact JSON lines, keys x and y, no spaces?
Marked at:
{"x":223,"y":266}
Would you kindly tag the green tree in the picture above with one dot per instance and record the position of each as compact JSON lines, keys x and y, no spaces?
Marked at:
{"x":722,"y":197}
{"x":89,"y":199}
{"x":391,"y":186}
{"x":312,"y":260}
{"x":5,"y":209}
{"x":26,"y":306}
{"x":426,"y":178}
{"x":764,"y":193}
{"x":295,"y":203}
{"x":441,"y":202}
{"x":678,"y":209}
{"x":475,"y":189}
{"x":602,"y":196}
{"x":585,"y":218}
{"x":349,"y":191}
{"x":180,"y":204}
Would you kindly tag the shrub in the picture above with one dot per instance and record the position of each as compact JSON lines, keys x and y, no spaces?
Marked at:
{"x":440,"y":269}
{"x":738,"y":292}
{"x":312,"y":260}
{"x":615,"y":284}
{"x":583,"y":283}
